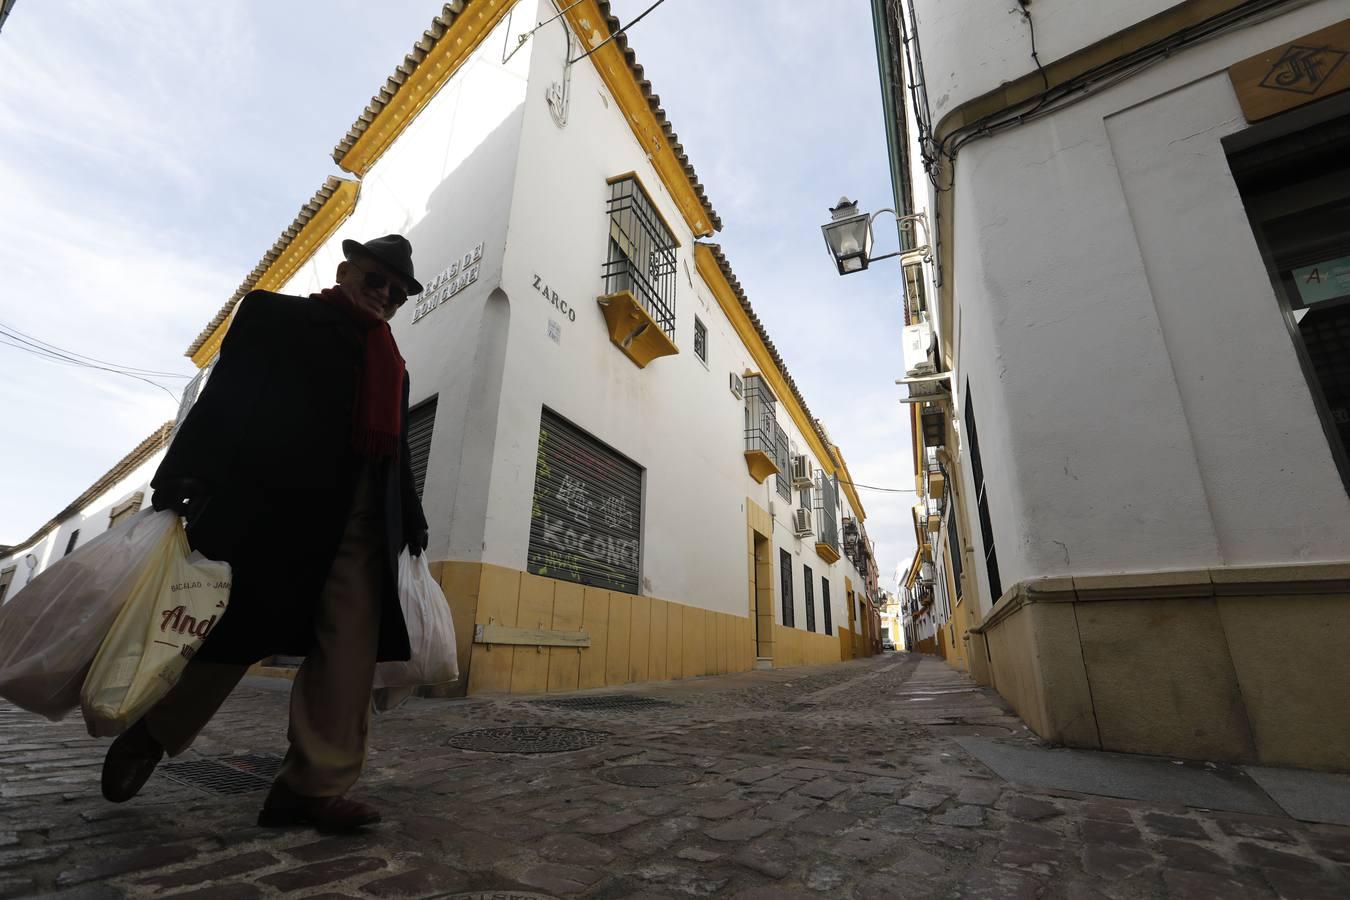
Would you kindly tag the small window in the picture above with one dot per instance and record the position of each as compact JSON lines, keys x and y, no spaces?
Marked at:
{"x":6,"y":578}
{"x":825,"y":604}
{"x":785,"y":568}
{"x":808,"y":581}
{"x":783,"y":459}
{"x":700,"y":339}
{"x":125,"y":510}
{"x":641,"y":252}
{"x":982,"y":503}
{"x":70,"y":544}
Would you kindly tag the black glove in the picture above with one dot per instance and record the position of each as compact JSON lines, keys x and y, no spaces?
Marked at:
{"x":185,"y":496}
{"x":417,"y":541}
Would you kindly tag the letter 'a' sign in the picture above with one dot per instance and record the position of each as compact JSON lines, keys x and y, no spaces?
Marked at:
{"x":586,"y":522}
{"x":1316,"y":65}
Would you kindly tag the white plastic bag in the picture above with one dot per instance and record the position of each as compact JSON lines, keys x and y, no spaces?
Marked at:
{"x":431,"y":632}
{"x":168,"y":615}
{"x":52,"y":629}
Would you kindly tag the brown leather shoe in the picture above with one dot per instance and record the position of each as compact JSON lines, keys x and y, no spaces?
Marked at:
{"x":330,"y":815}
{"x":129,"y":763}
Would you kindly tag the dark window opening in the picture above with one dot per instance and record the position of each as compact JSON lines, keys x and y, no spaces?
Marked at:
{"x":808,"y":582}
{"x":982,"y":502}
{"x":825,"y":604}
{"x":70,"y":544}
{"x":785,"y":568}
{"x":700,"y":339}
{"x":954,"y":544}
{"x":421,"y":422}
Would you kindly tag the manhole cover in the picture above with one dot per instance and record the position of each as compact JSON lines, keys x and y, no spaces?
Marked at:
{"x":648,"y":776}
{"x":252,"y":772}
{"x":623,"y":702}
{"x":526,"y":739}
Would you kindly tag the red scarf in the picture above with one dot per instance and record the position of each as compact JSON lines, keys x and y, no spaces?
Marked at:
{"x":376,"y":430}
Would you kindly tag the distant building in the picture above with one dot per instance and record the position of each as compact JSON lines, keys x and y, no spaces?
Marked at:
{"x":1130,"y":396}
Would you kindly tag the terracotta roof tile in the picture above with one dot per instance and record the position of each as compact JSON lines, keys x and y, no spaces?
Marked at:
{"x":302,"y":218}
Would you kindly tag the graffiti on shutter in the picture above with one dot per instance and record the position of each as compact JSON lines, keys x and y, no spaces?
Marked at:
{"x":585,"y":525}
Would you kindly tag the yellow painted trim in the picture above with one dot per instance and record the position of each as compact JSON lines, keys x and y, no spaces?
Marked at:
{"x":846,"y":482}
{"x":613,"y":69}
{"x":745,"y":330}
{"x":660,"y":215}
{"x":827,"y":553}
{"x":761,"y":466}
{"x":299,"y":251}
{"x":466,"y":32}
{"x":633,"y":330}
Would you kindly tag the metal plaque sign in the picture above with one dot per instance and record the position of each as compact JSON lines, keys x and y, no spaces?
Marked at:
{"x":454,"y":278}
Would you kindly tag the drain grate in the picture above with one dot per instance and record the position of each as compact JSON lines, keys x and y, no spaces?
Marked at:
{"x":622,"y":702}
{"x":648,"y":775}
{"x":526,"y":739}
{"x":252,"y":772}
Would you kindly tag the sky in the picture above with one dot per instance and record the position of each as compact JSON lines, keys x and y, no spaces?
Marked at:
{"x":151,"y":152}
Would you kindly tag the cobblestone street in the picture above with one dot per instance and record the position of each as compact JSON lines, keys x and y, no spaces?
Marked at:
{"x":837,"y":781}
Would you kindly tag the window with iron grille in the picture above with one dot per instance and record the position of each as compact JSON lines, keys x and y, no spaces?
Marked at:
{"x":782,"y":457}
{"x":761,"y":416}
{"x":825,"y":604}
{"x":641,"y":252}
{"x":954,"y":546}
{"x":808,"y":581}
{"x":700,"y":339}
{"x":827,"y":508}
{"x":421,"y":422}
{"x":785,"y":569}
{"x":6,"y":578}
{"x":125,"y":510}
{"x":982,"y":502}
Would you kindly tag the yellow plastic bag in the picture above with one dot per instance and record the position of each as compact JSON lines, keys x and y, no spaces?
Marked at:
{"x":179,"y":598}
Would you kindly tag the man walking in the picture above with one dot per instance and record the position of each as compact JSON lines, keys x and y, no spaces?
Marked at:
{"x":293,"y":467}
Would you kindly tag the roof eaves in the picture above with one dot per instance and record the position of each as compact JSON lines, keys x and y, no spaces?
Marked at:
{"x":302,"y":218}
{"x":736,"y":288}
{"x":158,"y":440}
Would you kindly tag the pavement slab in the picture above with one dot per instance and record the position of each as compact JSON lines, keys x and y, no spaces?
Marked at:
{"x":856,"y":780}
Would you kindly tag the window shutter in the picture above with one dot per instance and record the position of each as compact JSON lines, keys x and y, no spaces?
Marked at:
{"x":421,"y":422}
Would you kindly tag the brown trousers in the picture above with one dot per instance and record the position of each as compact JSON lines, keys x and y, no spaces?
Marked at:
{"x":330,"y":700}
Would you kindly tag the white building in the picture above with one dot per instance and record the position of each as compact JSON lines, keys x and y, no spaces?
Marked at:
{"x":1138,"y":283}
{"x":622,"y":479}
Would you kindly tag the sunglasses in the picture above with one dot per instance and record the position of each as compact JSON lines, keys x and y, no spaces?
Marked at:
{"x":375,"y":280}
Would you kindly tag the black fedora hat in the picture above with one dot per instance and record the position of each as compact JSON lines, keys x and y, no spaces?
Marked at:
{"x":392,"y":250}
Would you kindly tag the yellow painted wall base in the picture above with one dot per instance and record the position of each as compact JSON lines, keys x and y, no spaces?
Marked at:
{"x":1235,"y":665}
{"x":794,"y":647}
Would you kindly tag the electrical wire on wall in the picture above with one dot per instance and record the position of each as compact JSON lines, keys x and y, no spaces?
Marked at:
{"x":19,"y":340}
{"x":640,"y":17}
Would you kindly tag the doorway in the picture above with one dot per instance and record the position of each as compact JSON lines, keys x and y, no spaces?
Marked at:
{"x":763,"y":598}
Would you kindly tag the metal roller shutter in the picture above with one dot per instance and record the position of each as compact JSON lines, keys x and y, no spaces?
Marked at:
{"x":586,"y":522}
{"x":421,"y":422}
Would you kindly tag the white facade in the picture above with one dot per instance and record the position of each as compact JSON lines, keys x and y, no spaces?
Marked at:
{"x":1139,"y":405}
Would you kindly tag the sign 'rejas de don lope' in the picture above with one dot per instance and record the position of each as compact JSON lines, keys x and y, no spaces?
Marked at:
{"x":456,"y":277}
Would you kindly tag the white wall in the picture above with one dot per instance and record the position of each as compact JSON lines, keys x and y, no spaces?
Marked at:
{"x":1138,"y":402}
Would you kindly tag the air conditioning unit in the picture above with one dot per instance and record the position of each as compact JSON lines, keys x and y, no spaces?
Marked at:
{"x":802,"y":521}
{"x":737,"y":386}
{"x":801,"y":471}
{"x":917,"y":341}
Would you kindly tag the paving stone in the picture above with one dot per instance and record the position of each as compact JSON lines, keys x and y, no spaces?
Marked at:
{"x":772,"y":892}
{"x":826,"y":824}
{"x":237,"y":891}
{"x":113,"y":866}
{"x":1081,"y":890}
{"x":22,"y":856}
{"x":954,"y":838}
{"x":1028,"y":858}
{"x":1186,"y":885}
{"x":1266,"y":858}
{"x":787,"y":810}
{"x":773,"y":858}
{"x":1114,"y":862}
{"x":17,"y":887}
{"x":823,"y":789}
{"x":661,"y":806}
{"x":924,"y":800}
{"x":886,"y":786}
{"x":343,"y":845}
{"x":610,"y":823}
{"x":962,"y":817}
{"x":998,"y":884}
{"x":900,"y":819}
{"x":1261,"y":831}
{"x":918,"y":863}
{"x":1192,"y":857}
{"x":1035,"y":835}
{"x":775,"y":787}
{"x":558,"y":815}
{"x":698,"y":854}
{"x":1175,"y":826}
{"x":560,"y":879}
{"x":720,"y":809}
{"x":1031,"y":809}
{"x":422,"y":881}
{"x":573,"y":849}
{"x":740,"y":830}
{"x":1307,"y":886}
{"x":1333,"y":845}
{"x":229,"y":867}
{"x":754,"y":775}
{"x":1106,"y":811}
{"x":979,"y":795}
{"x":661,"y":833}
{"x":825,"y":879}
{"x":887,"y":887}
{"x":864,"y":847}
{"x":321,"y":873}
{"x":1110,"y":833}
{"x":700,"y":883}
{"x":83,"y":892}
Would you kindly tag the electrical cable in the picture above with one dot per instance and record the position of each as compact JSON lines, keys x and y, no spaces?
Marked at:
{"x":52,"y":357}
{"x":871,"y":487}
{"x":40,"y":344}
{"x":617,"y":33}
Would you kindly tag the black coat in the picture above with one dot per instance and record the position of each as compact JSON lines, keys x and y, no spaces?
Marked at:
{"x":271,"y":438}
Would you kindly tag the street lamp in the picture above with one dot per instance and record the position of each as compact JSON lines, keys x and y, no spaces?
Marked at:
{"x":848,"y":235}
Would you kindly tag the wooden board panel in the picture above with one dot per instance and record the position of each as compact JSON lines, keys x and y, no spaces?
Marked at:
{"x":640,"y":639}
{"x":564,"y":663}
{"x":675,"y":641}
{"x":529,"y":669}
{"x":459,"y":581}
{"x":620,"y":621}
{"x":692,"y":661}
{"x":498,"y":600}
{"x":595,"y":617}
{"x":658,"y":646}
{"x":709,"y":642}
{"x":723,"y":642}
